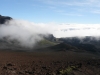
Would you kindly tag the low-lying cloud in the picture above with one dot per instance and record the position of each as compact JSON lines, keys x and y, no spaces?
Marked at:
{"x":77,"y":30}
{"x":28,"y":33}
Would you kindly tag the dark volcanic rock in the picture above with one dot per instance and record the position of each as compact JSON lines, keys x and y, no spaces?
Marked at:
{"x":3,"y":19}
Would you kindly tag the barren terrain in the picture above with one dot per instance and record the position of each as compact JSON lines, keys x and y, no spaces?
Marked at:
{"x":48,"y":63}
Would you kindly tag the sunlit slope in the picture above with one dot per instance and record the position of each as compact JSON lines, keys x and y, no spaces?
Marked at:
{"x":45,"y":43}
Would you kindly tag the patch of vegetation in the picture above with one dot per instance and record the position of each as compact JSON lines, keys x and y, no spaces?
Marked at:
{"x":74,"y":67}
{"x":46,"y":42}
{"x":68,"y":70}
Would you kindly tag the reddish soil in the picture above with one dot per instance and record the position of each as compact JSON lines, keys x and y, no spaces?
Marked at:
{"x":48,"y":63}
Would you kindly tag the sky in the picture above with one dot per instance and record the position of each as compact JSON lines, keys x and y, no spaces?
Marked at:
{"x":53,"y":11}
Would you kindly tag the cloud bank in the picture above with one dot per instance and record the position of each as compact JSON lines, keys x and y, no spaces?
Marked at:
{"x":28,"y":33}
{"x":77,"y":30}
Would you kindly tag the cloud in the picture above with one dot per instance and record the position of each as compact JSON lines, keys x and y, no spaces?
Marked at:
{"x":78,"y":30}
{"x":69,"y":2}
{"x":83,"y":6}
{"x":26,"y":33}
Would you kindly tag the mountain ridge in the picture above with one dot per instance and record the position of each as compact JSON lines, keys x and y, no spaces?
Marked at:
{"x":4,"y":19}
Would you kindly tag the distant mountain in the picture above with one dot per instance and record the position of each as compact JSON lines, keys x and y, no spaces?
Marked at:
{"x":88,"y":43}
{"x":3,"y":19}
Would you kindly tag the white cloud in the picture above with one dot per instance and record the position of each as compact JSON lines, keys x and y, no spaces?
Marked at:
{"x":83,"y":6}
{"x":79,"y":30}
{"x":71,"y":2}
{"x":27,"y":32}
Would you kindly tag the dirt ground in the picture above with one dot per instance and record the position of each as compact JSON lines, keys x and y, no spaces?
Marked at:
{"x":48,"y":63}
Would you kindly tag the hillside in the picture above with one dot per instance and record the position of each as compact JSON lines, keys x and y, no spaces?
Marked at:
{"x":88,"y":44}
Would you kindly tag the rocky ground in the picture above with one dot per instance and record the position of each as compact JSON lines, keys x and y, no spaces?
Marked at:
{"x":48,"y":63}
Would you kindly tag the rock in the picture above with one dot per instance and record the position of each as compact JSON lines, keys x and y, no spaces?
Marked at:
{"x":5,"y":67}
{"x":3,"y":19}
{"x":9,"y":64}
